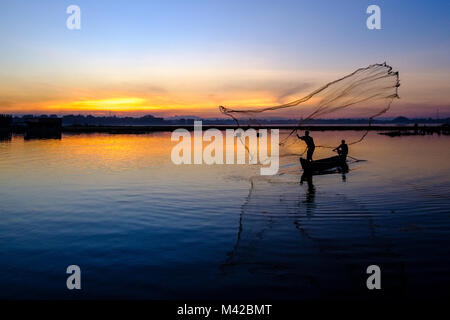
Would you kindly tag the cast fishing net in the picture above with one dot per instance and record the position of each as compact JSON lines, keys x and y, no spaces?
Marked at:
{"x":284,"y":214}
{"x":363,"y":94}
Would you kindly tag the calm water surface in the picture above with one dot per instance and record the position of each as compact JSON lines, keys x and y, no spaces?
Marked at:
{"x":142,"y":227}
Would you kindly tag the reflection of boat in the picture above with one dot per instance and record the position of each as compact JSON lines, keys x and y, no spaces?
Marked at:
{"x":323,"y":164}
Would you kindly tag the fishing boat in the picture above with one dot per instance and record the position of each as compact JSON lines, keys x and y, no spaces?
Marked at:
{"x":323,"y":164}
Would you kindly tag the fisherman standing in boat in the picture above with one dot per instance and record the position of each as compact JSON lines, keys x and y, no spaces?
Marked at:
{"x":342,"y":149}
{"x":310,"y":144}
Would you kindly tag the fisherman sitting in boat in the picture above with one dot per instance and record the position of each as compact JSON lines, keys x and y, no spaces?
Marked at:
{"x":342,"y":149}
{"x":310,"y":143}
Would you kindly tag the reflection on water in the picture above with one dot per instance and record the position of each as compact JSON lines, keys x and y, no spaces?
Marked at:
{"x":318,"y":241}
{"x":34,"y":135}
{"x":142,"y":227}
{"x":310,"y":193}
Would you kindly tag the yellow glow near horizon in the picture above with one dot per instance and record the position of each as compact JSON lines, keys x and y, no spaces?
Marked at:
{"x":111,"y":104}
{"x":186,"y":103}
{"x":161,"y":103}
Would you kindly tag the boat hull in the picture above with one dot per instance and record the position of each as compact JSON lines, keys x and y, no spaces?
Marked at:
{"x":323,"y":164}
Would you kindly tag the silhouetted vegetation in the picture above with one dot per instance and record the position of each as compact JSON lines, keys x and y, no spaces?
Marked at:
{"x":417,"y":130}
{"x":149,"y":120}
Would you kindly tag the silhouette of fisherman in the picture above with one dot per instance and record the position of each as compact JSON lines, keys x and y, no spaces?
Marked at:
{"x":342,"y":149}
{"x":310,"y":144}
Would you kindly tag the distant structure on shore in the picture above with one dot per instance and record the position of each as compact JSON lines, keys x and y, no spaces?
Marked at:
{"x":6,"y":121}
{"x":43,"y":128}
{"x":5,"y":127}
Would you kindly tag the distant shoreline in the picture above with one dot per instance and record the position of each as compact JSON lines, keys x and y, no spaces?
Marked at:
{"x":169,"y":128}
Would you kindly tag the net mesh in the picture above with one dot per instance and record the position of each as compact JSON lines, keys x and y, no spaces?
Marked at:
{"x":365,"y":93}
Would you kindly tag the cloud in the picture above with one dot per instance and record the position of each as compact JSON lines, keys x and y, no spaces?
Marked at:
{"x":135,"y":88}
{"x":293,"y":90}
{"x":280,"y":89}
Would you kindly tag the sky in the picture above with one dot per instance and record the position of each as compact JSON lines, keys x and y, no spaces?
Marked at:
{"x":178,"y":57}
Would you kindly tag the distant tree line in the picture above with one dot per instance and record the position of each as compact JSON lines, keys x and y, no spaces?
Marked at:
{"x":148,"y":120}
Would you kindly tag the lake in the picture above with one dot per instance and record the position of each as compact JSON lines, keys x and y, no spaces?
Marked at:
{"x":141,"y":227}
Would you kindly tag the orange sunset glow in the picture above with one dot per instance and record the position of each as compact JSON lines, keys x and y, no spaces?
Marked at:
{"x":122,"y":68}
